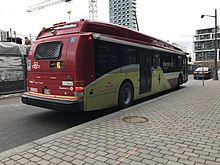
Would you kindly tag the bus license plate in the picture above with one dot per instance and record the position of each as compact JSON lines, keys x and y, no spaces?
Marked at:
{"x":33,"y":89}
{"x":47,"y":91}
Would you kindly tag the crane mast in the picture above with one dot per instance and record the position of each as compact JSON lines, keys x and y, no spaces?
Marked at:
{"x":93,"y":13}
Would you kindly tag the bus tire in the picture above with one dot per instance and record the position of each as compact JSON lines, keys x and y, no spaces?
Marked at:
{"x":126,"y":95}
{"x":179,"y":82}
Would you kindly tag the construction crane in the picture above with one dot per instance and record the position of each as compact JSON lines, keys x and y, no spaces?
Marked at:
{"x":93,"y":14}
{"x":44,"y":4}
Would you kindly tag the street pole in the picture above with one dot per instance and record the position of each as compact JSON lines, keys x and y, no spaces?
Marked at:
{"x":215,"y":76}
{"x":203,"y":77}
{"x":69,"y":12}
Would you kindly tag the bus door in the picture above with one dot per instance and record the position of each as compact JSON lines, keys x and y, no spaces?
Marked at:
{"x":185,"y":69}
{"x":145,"y":71}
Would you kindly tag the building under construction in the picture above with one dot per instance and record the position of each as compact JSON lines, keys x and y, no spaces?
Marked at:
{"x":4,"y":35}
{"x":123,"y":12}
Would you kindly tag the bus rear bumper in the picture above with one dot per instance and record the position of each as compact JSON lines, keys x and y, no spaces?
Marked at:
{"x":55,"y":104}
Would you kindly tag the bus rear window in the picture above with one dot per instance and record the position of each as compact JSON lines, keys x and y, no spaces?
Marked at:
{"x":49,"y":50}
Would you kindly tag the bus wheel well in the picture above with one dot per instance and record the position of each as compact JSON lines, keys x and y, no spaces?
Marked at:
{"x":129,"y":81}
{"x":126,"y":94}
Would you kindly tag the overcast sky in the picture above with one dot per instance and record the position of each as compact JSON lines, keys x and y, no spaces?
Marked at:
{"x":173,"y":20}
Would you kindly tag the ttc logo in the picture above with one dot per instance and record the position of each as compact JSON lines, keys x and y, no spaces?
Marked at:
{"x":35,"y":65}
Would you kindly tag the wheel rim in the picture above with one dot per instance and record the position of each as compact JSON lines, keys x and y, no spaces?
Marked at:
{"x":126,"y":96}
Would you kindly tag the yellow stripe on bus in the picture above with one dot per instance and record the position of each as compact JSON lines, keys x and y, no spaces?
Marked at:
{"x":52,"y":96}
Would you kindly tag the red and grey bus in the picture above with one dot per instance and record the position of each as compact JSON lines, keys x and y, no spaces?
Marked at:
{"x":90,"y":65}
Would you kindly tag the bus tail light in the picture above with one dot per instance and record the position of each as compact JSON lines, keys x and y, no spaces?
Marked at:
{"x":90,"y":37}
{"x":79,"y":88}
{"x":78,"y":91}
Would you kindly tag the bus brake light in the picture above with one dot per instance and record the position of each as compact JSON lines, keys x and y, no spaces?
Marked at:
{"x":79,"y":89}
{"x":90,"y":37}
{"x":78,"y":92}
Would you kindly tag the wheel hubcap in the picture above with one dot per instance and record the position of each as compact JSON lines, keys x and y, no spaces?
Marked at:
{"x":126,"y":96}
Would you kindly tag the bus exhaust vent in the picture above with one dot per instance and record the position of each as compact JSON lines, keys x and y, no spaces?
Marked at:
{"x":135,"y":119}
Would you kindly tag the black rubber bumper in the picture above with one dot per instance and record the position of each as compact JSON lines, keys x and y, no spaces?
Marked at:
{"x":55,"y":104}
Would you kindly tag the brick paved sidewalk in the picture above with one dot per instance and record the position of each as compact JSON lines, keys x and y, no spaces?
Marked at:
{"x":183,"y":128}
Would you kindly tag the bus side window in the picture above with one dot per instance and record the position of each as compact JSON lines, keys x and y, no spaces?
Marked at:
{"x":175,"y":61}
{"x":180,"y":63}
{"x":130,"y":55}
{"x":184,"y":65}
{"x":156,"y":59}
{"x":106,"y":57}
{"x":166,"y":62}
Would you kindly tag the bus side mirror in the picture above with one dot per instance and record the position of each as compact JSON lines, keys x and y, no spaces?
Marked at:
{"x":189,"y":59}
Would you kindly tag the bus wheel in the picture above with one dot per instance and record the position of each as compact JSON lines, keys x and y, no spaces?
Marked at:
{"x":179,"y":82}
{"x":126,"y":95}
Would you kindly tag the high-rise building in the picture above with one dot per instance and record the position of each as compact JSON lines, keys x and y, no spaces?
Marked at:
{"x":123,"y":12}
{"x":204,"y":46}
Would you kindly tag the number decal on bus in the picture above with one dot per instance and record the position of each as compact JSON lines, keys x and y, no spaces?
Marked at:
{"x":58,"y":65}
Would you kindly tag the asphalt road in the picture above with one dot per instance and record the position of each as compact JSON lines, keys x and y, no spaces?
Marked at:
{"x":20,"y":124}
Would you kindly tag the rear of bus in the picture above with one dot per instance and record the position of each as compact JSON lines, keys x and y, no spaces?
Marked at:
{"x":59,"y":67}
